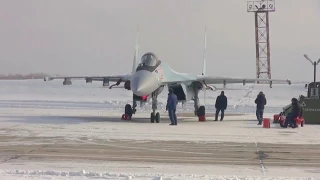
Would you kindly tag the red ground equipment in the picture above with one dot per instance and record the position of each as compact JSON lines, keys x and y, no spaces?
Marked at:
{"x":280,"y":118}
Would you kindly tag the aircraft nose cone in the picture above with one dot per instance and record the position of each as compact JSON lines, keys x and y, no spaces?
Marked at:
{"x":140,"y":84}
{"x":143,"y":83}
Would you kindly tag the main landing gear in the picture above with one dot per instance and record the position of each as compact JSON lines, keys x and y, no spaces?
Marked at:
{"x":199,"y":111}
{"x":129,"y":111}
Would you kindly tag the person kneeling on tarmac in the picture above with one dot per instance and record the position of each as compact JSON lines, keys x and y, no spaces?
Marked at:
{"x":295,"y":112}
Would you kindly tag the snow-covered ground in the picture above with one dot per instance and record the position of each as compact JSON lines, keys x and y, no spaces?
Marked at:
{"x":44,"y":124}
{"x":52,"y":94}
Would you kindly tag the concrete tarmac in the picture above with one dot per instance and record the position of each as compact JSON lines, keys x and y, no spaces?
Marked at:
{"x":224,"y":153}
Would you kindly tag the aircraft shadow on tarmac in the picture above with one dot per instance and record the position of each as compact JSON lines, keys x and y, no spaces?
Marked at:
{"x":54,"y":119}
{"x":183,"y":117}
{"x":47,"y":119}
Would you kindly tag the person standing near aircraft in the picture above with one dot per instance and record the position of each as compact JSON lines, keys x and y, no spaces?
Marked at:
{"x":171,"y":107}
{"x":221,"y":105}
{"x":261,"y":101}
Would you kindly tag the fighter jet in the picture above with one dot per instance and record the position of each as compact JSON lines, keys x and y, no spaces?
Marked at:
{"x":150,"y":76}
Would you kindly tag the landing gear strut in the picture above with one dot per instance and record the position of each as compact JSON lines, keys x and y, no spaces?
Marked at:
{"x":196,"y":102}
{"x":196,"y":99}
{"x":134,"y":105}
{"x":198,"y":111}
{"x":154,"y":116}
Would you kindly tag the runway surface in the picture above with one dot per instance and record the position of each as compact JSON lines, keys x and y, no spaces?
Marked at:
{"x":61,"y":143}
{"x":60,"y":149}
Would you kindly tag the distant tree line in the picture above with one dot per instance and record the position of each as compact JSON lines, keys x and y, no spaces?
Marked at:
{"x":23,"y":76}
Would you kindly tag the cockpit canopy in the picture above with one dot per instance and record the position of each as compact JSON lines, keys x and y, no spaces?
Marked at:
{"x":149,"y":59}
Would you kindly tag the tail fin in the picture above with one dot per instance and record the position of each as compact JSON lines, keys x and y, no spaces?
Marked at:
{"x":205,"y":51}
{"x":136,"y":59}
{"x":204,"y":62}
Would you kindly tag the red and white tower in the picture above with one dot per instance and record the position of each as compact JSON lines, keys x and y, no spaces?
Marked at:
{"x":261,"y":11}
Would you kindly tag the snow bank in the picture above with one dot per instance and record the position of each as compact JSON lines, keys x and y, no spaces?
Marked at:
{"x":126,"y":176}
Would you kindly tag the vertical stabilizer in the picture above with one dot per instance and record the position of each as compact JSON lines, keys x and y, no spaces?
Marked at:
{"x":136,"y":59}
{"x":204,"y":62}
{"x":205,"y":51}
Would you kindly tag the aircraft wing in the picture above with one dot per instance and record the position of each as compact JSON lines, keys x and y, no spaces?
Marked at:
{"x":114,"y":78}
{"x":213,"y":88}
{"x":106,"y":79}
{"x":225,"y":80}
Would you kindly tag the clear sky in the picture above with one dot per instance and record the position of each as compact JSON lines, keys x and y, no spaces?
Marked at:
{"x":97,"y":37}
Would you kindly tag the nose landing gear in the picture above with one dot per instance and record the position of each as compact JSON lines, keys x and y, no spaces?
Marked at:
{"x":155,"y":117}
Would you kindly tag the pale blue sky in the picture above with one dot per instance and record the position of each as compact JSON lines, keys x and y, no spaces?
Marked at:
{"x":97,"y":37}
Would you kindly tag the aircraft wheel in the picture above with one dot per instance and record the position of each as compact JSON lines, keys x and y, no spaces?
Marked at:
{"x":152,"y":117}
{"x":201,"y":111}
{"x":127,"y":109}
{"x":157,"y":117}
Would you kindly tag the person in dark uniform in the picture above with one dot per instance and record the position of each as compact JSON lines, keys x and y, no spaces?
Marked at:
{"x":171,"y":107}
{"x":296,"y":111}
{"x":261,"y":101}
{"x":301,"y":111}
{"x":221,"y":105}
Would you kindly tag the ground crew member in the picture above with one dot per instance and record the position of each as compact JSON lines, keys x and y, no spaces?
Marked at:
{"x":261,"y":101}
{"x":171,"y":107}
{"x":221,"y":105}
{"x":296,"y":111}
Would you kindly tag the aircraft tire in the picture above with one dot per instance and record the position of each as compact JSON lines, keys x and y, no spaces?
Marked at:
{"x":157,"y":117}
{"x":201,"y":111}
{"x":127,"y":109}
{"x":152,"y":118}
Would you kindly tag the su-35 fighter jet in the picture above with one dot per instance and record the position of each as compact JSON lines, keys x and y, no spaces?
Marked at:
{"x":150,"y":75}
